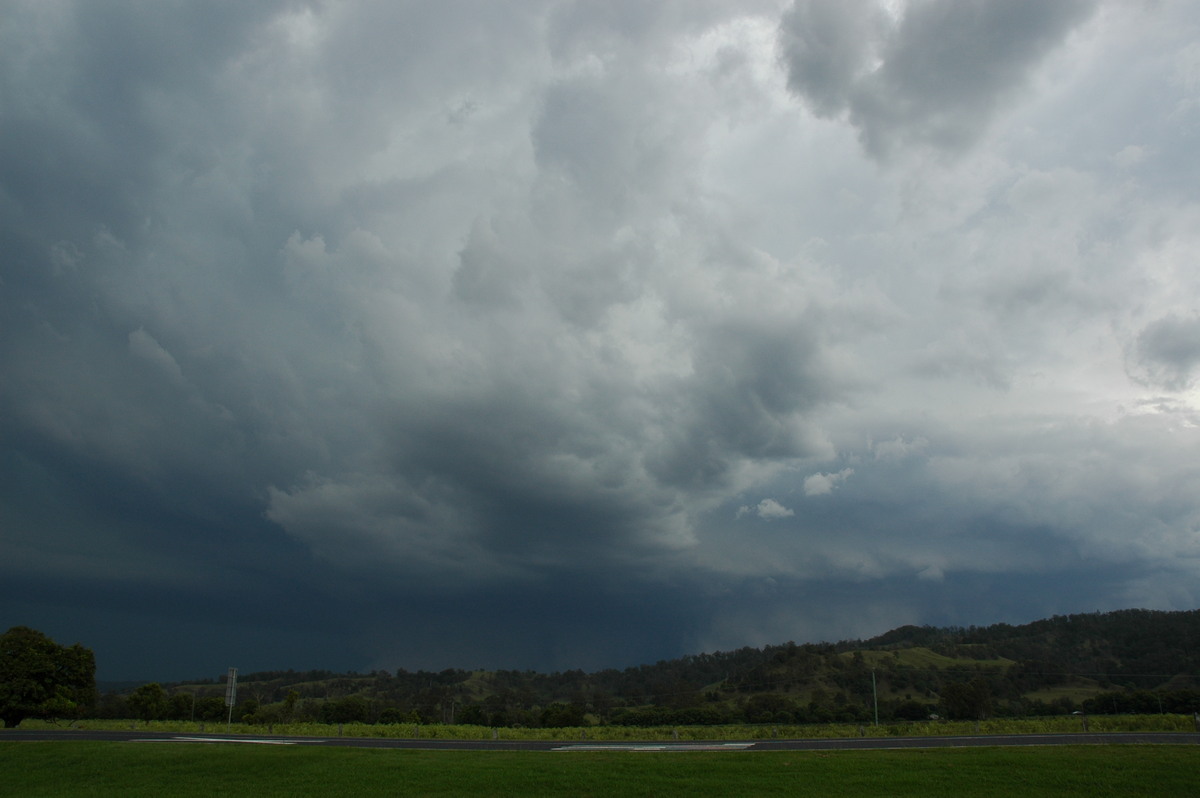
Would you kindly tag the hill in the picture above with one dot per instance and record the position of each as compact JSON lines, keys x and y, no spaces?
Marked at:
{"x":1130,"y":660}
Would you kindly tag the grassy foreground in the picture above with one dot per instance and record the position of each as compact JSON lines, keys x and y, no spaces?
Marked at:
{"x":130,"y":770}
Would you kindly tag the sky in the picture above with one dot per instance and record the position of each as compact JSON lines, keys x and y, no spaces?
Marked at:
{"x":548,"y":335}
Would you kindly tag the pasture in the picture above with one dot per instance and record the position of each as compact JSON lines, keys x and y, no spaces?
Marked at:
{"x":132,"y":769}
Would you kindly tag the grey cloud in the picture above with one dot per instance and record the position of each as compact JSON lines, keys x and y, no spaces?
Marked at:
{"x":620,"y":157}
{"x":944,"y":510}
{"x":827,"y":47}
{"x":612,"y":30}
{"x":747,"y":399}
{"x":143,"y":345}
{"x":1167,"y":352}
{"x":984,"y":363}
{"x":898,"y":447}
{"x":936,"y":76}
{"x":487,"y":274}
{"x":545,"y":437}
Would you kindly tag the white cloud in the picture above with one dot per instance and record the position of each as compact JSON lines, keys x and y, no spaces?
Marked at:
{"x":822,"y":484}
{"x":767,"y":509}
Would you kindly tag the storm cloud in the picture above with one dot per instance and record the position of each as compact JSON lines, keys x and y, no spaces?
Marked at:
{"x":562,"y":335}
{"x":927,"y":71}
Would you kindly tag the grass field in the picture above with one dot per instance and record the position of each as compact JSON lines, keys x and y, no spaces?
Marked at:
{"x":921,"y":657}
{"x":129,"y":770}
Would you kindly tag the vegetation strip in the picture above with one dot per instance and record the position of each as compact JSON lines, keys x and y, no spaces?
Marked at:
{"x":1180,"y":725}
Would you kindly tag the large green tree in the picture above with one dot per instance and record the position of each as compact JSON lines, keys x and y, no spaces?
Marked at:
{"x":41,"y":679}
{"x":148,"y":702}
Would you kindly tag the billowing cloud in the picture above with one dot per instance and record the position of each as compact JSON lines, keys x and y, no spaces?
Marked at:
{"x":930,"y":72}
{"x":428,"y":335}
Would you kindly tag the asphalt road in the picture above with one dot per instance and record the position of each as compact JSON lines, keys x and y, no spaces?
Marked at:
{"x":841,"y":744}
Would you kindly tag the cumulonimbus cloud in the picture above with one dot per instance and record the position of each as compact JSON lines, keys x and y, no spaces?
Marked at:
{"x":371,"y":301}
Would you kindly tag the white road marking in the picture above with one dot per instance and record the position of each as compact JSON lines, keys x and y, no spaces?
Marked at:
{"x":655,"y":747}
{"x":212,"y":740}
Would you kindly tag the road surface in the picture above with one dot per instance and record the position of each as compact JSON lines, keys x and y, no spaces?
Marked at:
{"x":839,"y":744}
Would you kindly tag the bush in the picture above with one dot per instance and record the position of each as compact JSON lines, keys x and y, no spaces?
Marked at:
{"x":351,"y":709}
{"x":559,"y":716}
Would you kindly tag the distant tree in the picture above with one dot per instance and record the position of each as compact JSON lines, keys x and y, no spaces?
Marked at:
{"x":111,"y":705}
{"x":966,"y":701}
{"x":472,"y":715}
{"x":180,"y":706}
{"x":392,"y":715}
{"x":351,"y":709}
{"x":267,"y":714}
{"x":41,"y":679}
{"x":559,"y":715}
{"x":211,"y":708}
{"x":910,"y":710}
{"x":769,"y":708}
{"x":289,"y":704}
{"x":245,"y":709}
{"x":148,"y":702}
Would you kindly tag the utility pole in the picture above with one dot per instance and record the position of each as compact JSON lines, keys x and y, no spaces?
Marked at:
{"x":875,"y":695}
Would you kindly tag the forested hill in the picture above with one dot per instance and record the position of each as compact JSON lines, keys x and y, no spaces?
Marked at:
{"x":1134,"y":646}
{"x":1117,"y":661}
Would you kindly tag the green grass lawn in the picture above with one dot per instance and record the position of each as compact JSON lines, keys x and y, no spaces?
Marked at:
{"x":193,"y":769}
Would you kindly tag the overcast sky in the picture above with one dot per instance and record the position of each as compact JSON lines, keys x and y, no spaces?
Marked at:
{"x":562,"y":335}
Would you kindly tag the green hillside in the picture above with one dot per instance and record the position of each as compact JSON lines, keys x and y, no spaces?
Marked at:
{"x":1126,"y":661}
